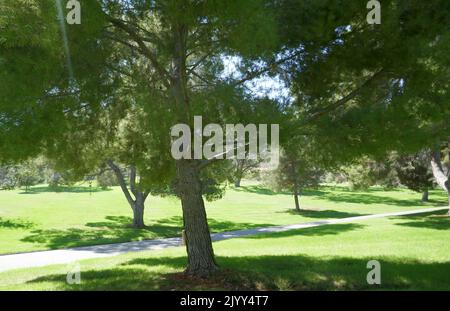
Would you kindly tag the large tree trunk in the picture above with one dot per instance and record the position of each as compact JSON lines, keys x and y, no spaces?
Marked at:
{"x":201,"y":260}
{"x":425,"y":196}
{"x":199,"y":248}
{"x":438,"y":171}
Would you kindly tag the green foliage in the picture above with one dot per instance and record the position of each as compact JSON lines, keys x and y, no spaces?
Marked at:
{"x":8,"y":177}
{"x":358,"y":90}
{"x":366,"y":90}
{"x":414,"y":172}
{"x":367,"y":172}
{"x":57,"y":179}
{"x":293,"y":172}
{"x":28,"y":175}
{"x":300,"y":166}
{"x":25,"y":174}
{"x":107,"y":179}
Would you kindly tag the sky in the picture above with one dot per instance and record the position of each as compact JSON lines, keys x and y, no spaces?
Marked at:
{"x":263,"y":86}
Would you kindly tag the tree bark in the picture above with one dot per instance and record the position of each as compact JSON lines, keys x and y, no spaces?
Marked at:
{"x":201,"y":261}
{"x":296,"y":186}
{"x":296,"y":199}
{"x":438,"y":171}
{"x":239,"y":172}
{"x":237,"y":182}
{"x":138,"y":215}
{"x":138,"y":203}
{"x":425,"y":196}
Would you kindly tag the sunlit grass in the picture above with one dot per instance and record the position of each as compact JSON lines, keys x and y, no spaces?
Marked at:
{"x":413,"y":251}
{"x":45,"y":219}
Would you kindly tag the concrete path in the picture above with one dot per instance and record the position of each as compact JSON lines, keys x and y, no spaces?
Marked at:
{"x":64,"y":256}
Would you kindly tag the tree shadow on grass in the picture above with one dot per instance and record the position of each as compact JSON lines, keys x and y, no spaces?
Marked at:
{"x":118,"y":279}
{"x":432,"y":220}
{"x":269,"y":272}
{"x":115,"y":229}
{"x":321,"y":190}
{"x":15,"y":224}
{"x":258,"y":190}
{"x":365,"y":198}
{"x":118,"y":229}
{"x":312,"y":231}
{"x":320,"y":213}
{"x":300,"y":272}
{"x":266,"y":191}
{"x":74,"y":189}
{"x":341,"y":194}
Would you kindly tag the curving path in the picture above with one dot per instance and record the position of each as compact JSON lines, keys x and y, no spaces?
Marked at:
{"x":64,"y":256}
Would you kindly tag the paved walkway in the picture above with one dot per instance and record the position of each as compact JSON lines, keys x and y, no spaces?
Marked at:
{"x":64,"y":256}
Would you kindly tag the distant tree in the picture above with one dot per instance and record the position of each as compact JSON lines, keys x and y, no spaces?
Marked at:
{"x":24,"y":174}
{"x":28,"y":175}
{"x":440,"y":164}
{"x":414,"y":172}
{"x":55,"y":179}
{"x":107,"y":179}
{"x":295,"y":174}
{"x":299,"y":168}
{"x":134,"y":191}
{"x":241,"y":167}
{"x":8,"y":177}
{"x":366,"y":172}
{"x":358,"y":176}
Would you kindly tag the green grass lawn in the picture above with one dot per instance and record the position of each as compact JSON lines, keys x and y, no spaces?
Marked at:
{"x":44,"y":219}
{"x":413,"y":251}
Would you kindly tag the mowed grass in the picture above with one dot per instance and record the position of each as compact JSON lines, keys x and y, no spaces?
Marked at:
{"x":43,"y":219}
{"x":413,"y":251}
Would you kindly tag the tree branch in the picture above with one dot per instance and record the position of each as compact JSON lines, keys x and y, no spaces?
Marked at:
{"x":164,"y":74}
{"x":133,"y":181}
{"x":331,"y":107}
{"x":269,"y":67}
{"x":121,"y":180}
{"x":438,"y":170}
{"x":197,"y":63}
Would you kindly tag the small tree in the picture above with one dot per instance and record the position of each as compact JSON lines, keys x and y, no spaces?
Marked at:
{"x":8,"y":177}
{"x":107,"y":179}
{"x":28,"y":175}
{"x":367,"y":172}
{"x":296,"y":171}
{"x":241,"y":167}
{"x":414,"y":172}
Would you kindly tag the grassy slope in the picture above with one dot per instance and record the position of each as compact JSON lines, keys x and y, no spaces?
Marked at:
{"x":413,"y":251}
{"x":42,"y":219}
